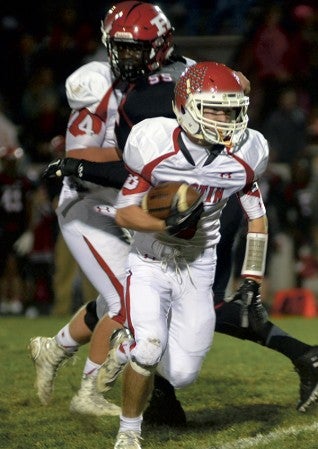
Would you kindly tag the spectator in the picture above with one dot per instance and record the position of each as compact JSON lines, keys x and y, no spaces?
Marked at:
{"x":228,"y":16}
{"x":304,"y":49}
{"x":15,"y":235}
{"x":9,"y":135}
{"x":267,"y":57}
{"x":42,"y":106}
{"x":41,"y":255}
{"x":299,"y":217}
{"x":286,"y":128}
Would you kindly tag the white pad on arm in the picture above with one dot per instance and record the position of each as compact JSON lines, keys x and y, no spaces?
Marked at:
{"x":255,"y":255}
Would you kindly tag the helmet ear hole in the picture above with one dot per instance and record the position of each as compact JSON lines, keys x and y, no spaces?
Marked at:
{"x":189,"y":124}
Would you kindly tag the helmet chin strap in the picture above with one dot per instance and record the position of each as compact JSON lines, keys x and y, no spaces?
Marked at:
{"x":200,"y":141}
{"x":224,"y":140}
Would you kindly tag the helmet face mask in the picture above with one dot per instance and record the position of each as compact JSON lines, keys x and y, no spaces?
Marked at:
{"x":128,"y":60}
{"x":204,"y":92}
{"x":139,"y":26}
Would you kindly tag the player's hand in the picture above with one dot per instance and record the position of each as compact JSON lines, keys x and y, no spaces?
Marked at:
{"x":184,"y":224}
{"x":63,"y":167}
{"x":253,"y":313}
{"x":245,"y":83}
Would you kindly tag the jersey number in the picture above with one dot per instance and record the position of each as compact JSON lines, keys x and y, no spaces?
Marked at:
{"x":160,"y":77}
{"x":83,"y":122}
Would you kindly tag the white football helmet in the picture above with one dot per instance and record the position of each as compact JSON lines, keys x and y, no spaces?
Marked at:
{"x":216,"y":86}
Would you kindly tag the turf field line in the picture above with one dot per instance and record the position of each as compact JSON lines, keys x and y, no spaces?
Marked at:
{"x":265,"y":439}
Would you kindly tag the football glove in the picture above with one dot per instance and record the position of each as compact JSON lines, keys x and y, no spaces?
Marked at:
{"x":184,"y":224}
{"x":253,"y":313}
{"x":63,"y":167}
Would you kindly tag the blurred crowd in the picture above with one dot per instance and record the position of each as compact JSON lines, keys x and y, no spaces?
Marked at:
{"x":278,"y":53}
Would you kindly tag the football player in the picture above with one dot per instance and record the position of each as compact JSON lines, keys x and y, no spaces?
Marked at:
{"x":171,"y":263}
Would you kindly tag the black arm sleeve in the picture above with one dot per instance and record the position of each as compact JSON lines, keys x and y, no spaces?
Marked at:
{"x":108,"y":174}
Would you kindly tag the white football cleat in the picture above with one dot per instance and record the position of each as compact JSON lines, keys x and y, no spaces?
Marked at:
{"x":88,"y":401}
{"x":128,"y":440}
{"x":111,"y":368}
{"x":47,"y":357}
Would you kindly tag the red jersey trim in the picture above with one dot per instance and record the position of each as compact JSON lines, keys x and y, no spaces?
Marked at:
{"x":102,"y":109}
{"x":127,"y":301}
{"x":248,"y":170}
{"x":148,"y":168}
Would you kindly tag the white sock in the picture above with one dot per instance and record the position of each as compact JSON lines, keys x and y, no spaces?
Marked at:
{"x":63,"y":338}
{"x":91,"y":368}
{"x":130,"y":424}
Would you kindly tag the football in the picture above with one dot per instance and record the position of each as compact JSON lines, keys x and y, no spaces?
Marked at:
{"x":160,"y":199}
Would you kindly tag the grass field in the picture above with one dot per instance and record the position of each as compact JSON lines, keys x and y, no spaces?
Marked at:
{"x":244,"y":398}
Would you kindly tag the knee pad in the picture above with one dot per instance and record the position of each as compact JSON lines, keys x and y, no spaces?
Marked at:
{"x":146,"y":356}
{"x":90,"y":317}
{"x":182,"y":379}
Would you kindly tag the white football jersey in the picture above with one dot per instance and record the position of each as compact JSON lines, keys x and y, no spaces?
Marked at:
{"x":157,"y":150}
{"x":93,"y":87}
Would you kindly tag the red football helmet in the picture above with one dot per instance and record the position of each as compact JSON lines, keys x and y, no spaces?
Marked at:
{"x":138,"y":38}
{"x":215,"y":86}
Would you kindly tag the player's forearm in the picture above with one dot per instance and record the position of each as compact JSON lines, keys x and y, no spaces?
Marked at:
{"x":95,"y":154}
{"x":107,"y":174}
{"x":258,"y":225}
{"x":133,"y":217}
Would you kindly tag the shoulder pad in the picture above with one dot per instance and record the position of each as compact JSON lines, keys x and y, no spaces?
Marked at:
{"x":148,"y":140}
{"x":179,"y":58}
{"x":176,"y":67}
{"x":87,"y":85}
{"x":189,"y":61}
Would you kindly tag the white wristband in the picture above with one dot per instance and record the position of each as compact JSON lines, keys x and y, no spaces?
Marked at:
{"x":255,"y":255}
